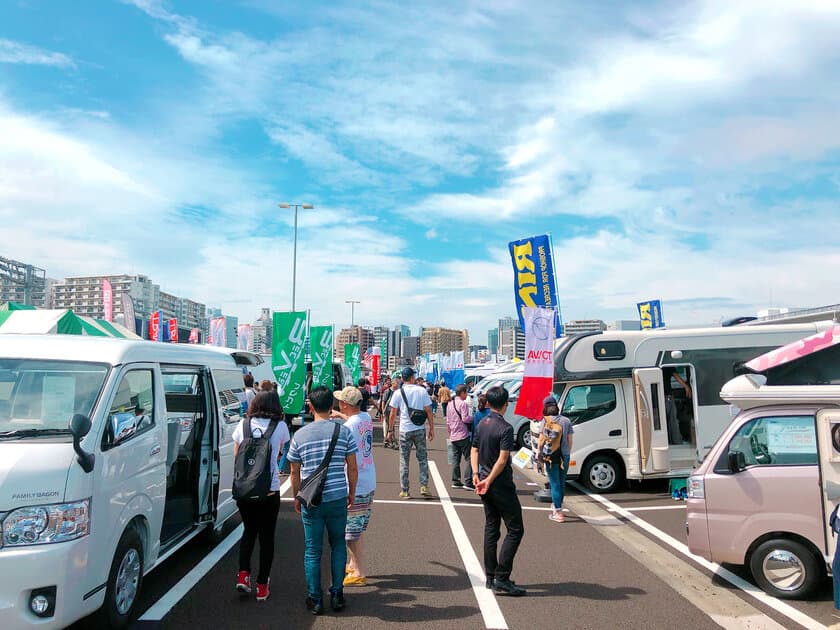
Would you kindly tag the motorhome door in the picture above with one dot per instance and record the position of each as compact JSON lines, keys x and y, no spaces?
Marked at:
{"x":828,"y":441}
{"x":651,"y":423}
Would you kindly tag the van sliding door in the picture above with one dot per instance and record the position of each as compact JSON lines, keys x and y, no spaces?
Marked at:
{"x":651,"y":423}
{"x":828,"y":443}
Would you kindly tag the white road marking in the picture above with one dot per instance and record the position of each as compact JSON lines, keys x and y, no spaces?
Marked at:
{"x":651,"y":508}
{"x":161,"y":607}
{"x":779,"y":606}
{"x":490,"y":611}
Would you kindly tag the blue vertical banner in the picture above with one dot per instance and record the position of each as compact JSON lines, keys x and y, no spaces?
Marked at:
{"x":533,"y":274}
{"x":650,"y":314}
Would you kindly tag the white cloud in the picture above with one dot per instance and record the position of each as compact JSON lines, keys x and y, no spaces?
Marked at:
{"x":17,"y":52}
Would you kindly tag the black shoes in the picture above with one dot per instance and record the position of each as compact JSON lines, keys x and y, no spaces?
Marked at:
{"x":315,"y":606}
{"x":489,"y":583}
{"x":507,"y":587}
{"x":337,"y":601}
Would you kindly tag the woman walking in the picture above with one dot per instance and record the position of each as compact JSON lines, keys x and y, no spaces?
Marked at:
{"x":259,"y":516}
{"x":553,"y":449}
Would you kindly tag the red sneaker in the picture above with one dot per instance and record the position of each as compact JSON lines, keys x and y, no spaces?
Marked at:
{"x":262,"y":591}
{"x":243,"y":582}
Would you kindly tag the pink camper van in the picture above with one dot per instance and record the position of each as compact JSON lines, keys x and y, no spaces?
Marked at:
{"x":762,"y":495}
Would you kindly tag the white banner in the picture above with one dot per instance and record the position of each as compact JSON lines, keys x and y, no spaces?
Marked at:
{"x":218,"y":332}
{"x":539,"y":342}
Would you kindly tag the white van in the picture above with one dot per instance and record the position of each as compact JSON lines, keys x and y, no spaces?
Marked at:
{"x":113,"y":454}
{"x":646,"y":404}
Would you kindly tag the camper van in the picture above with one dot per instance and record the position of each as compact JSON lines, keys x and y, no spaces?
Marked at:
{"x":113,"y":455}
{"x":763,"y":495}
{"x":646,"y":404}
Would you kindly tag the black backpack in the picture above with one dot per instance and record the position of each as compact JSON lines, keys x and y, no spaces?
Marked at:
{"x":253,"y":468}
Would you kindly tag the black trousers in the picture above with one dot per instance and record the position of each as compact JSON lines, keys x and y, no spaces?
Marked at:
{"x":501,"y":503}
{"x":260,"y":521}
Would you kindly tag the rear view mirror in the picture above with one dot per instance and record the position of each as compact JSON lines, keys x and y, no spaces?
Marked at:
{"x":80,"y":427}
{"x":737,"y":461}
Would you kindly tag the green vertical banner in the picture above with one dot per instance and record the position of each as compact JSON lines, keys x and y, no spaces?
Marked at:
{"x":287,"y":361}
{"x":353,"y":360}
{"x":321,"y":348}
{"x":384,"y":350}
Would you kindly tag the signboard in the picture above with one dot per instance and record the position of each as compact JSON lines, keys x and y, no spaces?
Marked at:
{"x":321,"y":349}
{"x":173,"y":330}
{"x":108,"y":300}
{"x":194,"y":334}
{"x":352,"y":359}
{"x":287,"y":360}
{"x":128,"y":313}
{"x":650,"y":314}
{"x":539,"y":362}
{"x":533,"y":274}
{"x":218,"y":332}
{"x":154,"y":326}
{"x":243,"y":336}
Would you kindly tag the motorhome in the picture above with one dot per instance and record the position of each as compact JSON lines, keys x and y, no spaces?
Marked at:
{"x":113,"y":455}
{"x":763,"y":496}
{"x":646,"y":404}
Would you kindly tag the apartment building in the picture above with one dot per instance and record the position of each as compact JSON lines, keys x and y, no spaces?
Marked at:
{"x":23,"y":283}
{"x":445,"y":340}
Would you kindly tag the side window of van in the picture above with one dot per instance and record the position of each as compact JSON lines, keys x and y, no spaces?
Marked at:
{"x":587,"y":402}
{"x":231,"y":392}
{"x":132,"y":409}
{"x":774,"y":441}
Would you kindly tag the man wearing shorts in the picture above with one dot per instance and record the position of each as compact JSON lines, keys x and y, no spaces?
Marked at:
{"x":358,"y":516}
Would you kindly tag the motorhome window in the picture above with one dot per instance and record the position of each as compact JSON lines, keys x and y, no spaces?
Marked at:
{"x":230,"y":389}
{"x":774,"y":441}
{"x":180,"y":383}
{"x":819,"y":368}
{"x":132,"y":407}
{"x":609,"y":350}
{"x":38,"y":395}
{"x":587,"y":402}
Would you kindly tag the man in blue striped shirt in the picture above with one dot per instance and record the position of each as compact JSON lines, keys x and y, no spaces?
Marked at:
{"x":308,"y":448}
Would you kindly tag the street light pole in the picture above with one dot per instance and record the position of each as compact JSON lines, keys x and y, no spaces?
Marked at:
{"x":352,"y":304}
{"x":296,"y":206}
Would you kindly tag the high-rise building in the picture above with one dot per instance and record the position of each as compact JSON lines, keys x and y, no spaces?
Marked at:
{"x":382,"y":334}
{"x":584,"y":325}
{"x":395,"y":338}
{"x":23,"y":283}
{"x":512,"y":342}
{"x":261,"y":332}
{"x":493,"y":341}
{"x":435,"y":340}
{"x":356,"y":334}
{"x":187,"y":313}
{"x":409,"y":349}
{"x":508,"y":322}
{"x":404,"y":330}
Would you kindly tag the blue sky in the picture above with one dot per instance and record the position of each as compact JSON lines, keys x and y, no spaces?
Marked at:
{"x":686,"y":151}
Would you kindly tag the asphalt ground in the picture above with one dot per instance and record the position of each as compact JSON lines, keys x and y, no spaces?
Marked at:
{"x":576,"y":576}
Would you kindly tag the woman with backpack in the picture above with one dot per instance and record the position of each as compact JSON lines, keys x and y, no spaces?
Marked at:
{"x":259,"y":513}
{"x":553,"y":450}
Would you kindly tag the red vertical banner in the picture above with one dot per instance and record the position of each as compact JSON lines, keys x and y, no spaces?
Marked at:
{"x":193,"y":335}
{"x":108,"y":300}
{"x":374,"y":366}
{"x":173,"y":330}
{"x":154,"y":326}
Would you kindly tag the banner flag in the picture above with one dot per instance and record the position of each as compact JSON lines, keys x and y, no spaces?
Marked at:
{"x":218,"y":332}
{"x":154,"y":326}
{"x":376,"y":357}
{"x":287,"y":360}
{"x":128,"y":313}
{"x":108,"y":300}
{"x":243,"y":336}
{"x":321,"y":349}
{"x":173,"y":330}
{"x":352,"y":360}
{"x":533,"y":275}
{"x":650,"y":314}
{"x":194,"y":335}
{"x":538,"y":377}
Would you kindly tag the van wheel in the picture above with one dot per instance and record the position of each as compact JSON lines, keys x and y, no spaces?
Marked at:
{"x":523,"y":437}
{"x":785,"y":568}
{"x":602,"y":473}
{"x":124,"y":581}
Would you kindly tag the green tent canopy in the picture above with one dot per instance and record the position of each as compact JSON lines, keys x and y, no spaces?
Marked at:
{"x":16,"y":306}
{"x":60,"y":322}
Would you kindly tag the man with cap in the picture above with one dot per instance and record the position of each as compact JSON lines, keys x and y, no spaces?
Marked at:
{"x":410,"y":396}
{"x":358,"y":515}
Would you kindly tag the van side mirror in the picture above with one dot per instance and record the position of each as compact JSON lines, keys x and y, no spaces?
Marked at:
{"x":80,"y":427}
{"x":737,"y":461}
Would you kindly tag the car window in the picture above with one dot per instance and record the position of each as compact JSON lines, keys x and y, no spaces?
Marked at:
{"x":774,"y":441}
{"x":587,"y":402}
{"x":133,"y":401}
{"x":231,"y":392}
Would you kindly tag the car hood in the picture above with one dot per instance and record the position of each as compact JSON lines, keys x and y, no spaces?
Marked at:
{"x":33,"y":472}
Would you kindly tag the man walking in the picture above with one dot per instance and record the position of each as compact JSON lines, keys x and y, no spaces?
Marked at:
{"x":459,"y":425}
{"x":407,"y":398}
{"x":493,"y":479}
{"x":387,"y":394}
{"x":444,"y":395}
{"x":358,"y":516}
{"x":308,"y":449}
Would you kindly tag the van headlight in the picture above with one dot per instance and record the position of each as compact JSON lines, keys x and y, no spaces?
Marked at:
{"x":44,"y":524}
{"x":696,"y":488}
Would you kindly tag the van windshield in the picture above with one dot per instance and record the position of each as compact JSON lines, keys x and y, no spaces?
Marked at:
{"x":40,"y":397}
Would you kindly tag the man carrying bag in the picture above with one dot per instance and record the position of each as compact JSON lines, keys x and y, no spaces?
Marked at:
{"x":320,"y":452}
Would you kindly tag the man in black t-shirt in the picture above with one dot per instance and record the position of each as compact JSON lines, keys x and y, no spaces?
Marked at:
{"x":493,"y":480}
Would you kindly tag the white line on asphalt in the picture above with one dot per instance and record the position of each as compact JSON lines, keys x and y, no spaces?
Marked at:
{"x":651,"y":508}
{"x":493,"y":617}
{"x":784,"y":609}
{"x":161,"y":607}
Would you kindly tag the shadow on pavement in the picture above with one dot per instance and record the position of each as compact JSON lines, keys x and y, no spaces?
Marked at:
{"x":583,"y":590}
